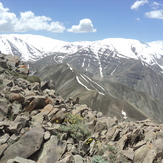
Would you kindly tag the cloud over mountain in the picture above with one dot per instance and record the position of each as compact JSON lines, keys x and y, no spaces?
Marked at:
{"x":85,"y":26}
{"x":27,"y":21}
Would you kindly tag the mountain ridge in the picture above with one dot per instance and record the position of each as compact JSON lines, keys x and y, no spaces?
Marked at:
{"x":125,"y":61}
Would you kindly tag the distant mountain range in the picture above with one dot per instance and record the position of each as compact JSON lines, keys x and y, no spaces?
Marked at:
{"x":109,"y":75}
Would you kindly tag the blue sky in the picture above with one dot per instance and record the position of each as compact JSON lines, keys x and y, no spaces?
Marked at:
{"x":84,"y":20}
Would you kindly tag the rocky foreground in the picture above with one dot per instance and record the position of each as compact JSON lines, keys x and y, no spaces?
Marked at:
{"x":38,"y":126}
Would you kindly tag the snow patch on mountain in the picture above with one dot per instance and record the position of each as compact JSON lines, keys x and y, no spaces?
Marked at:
{"x":77,"y":78}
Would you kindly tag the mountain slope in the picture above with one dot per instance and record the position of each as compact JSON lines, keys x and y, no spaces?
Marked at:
{"x":112,"y":100}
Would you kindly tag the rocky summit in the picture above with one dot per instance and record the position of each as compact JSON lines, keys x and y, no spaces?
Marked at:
{"x":38,"y":126}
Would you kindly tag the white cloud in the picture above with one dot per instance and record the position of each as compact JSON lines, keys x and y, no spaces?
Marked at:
{"x":85,"y":26}
{"x":9,"y":22}
{"x":156,"y":5}
{"x":138,"y":19}
{"x":156,"y":14}
{"x":137,"y":4}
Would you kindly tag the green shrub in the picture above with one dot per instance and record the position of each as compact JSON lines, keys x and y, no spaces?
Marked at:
{"x":75,"y":126}
{"x":73,"y":119}
{"x":98,"y":159}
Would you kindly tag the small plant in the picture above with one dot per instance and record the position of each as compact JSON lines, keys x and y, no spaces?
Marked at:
{"x":73,"y":119}
{"x":98,"y":159}
{"x":75,"y":126}
{"x":100,"y":149}
{"x":111,"y":148}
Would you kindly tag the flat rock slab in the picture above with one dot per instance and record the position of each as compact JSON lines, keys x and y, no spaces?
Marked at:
{"x":29,"y":143}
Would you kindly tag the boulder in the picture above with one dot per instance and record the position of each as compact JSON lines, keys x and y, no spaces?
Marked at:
{"x":58,"y":117}
{"x":28,"y":144}
{"x":141,"y":153}
{"x":78,"y":159}
{"x":18,"y":97}
{"x":129,"y":153}
{"x":50,"y":93}
{"x":13,"y":138}
{"x":24,"y":84}
{"x":16,"y":89}
{"x":4,"y":107}
{"x":14,"y":127}
{"x":47,"y":85}
{"x":12,"y":61}
{"x":4,"y":138}
{"x":7,"y":82}
{"x":43,"y":115}
{"x":15,"y":108}
{"x":23,"y":119}
{"x":36,"y":86}
{"x":39,"y":102}
{"x":3,"y":148}
{"x":52,"y":151}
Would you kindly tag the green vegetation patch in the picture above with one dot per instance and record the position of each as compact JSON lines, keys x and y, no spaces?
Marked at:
{"x":31,"y":79}
{"x":75,"y":126}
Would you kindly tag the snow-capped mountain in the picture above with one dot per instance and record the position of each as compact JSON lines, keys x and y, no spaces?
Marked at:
{"x":130,"y":62}
{"x":29,"y":47}
{"x":34,"y":47}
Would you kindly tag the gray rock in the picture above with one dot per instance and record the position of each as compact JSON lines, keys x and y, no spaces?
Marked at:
{"x":22,"y":83}
{"x":8,"y":83}
{"x":40,"y":117}
{"x":99,"y":114}
{"x":47,"y":85}
{"x":16,"y":89}
{"x":67,"y":159}
{"x":158,"y":144}
{"x":23,"y":119}
{"x":36,"y":86}
{"x":150,"y":157}
{"x":14,"y":138}
{"x":4,"y":123}
{"x":20,"y":160}
{"x":16,"y":108}
{"x":141,"y":153}
{"x":14,"y":127}
{"x":3,"y":148}
{"x":78,"y":159}
{"x":4,"y":107}
{"x":4,"y":138}
{"x":58,"y":117}
{"x":28,"y":144}
{"x":47,"y":135}
{"x":29,"y":93}
{"x":50,"y":93}
{"x":52,"y":151}
{"x":129,"y":153}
